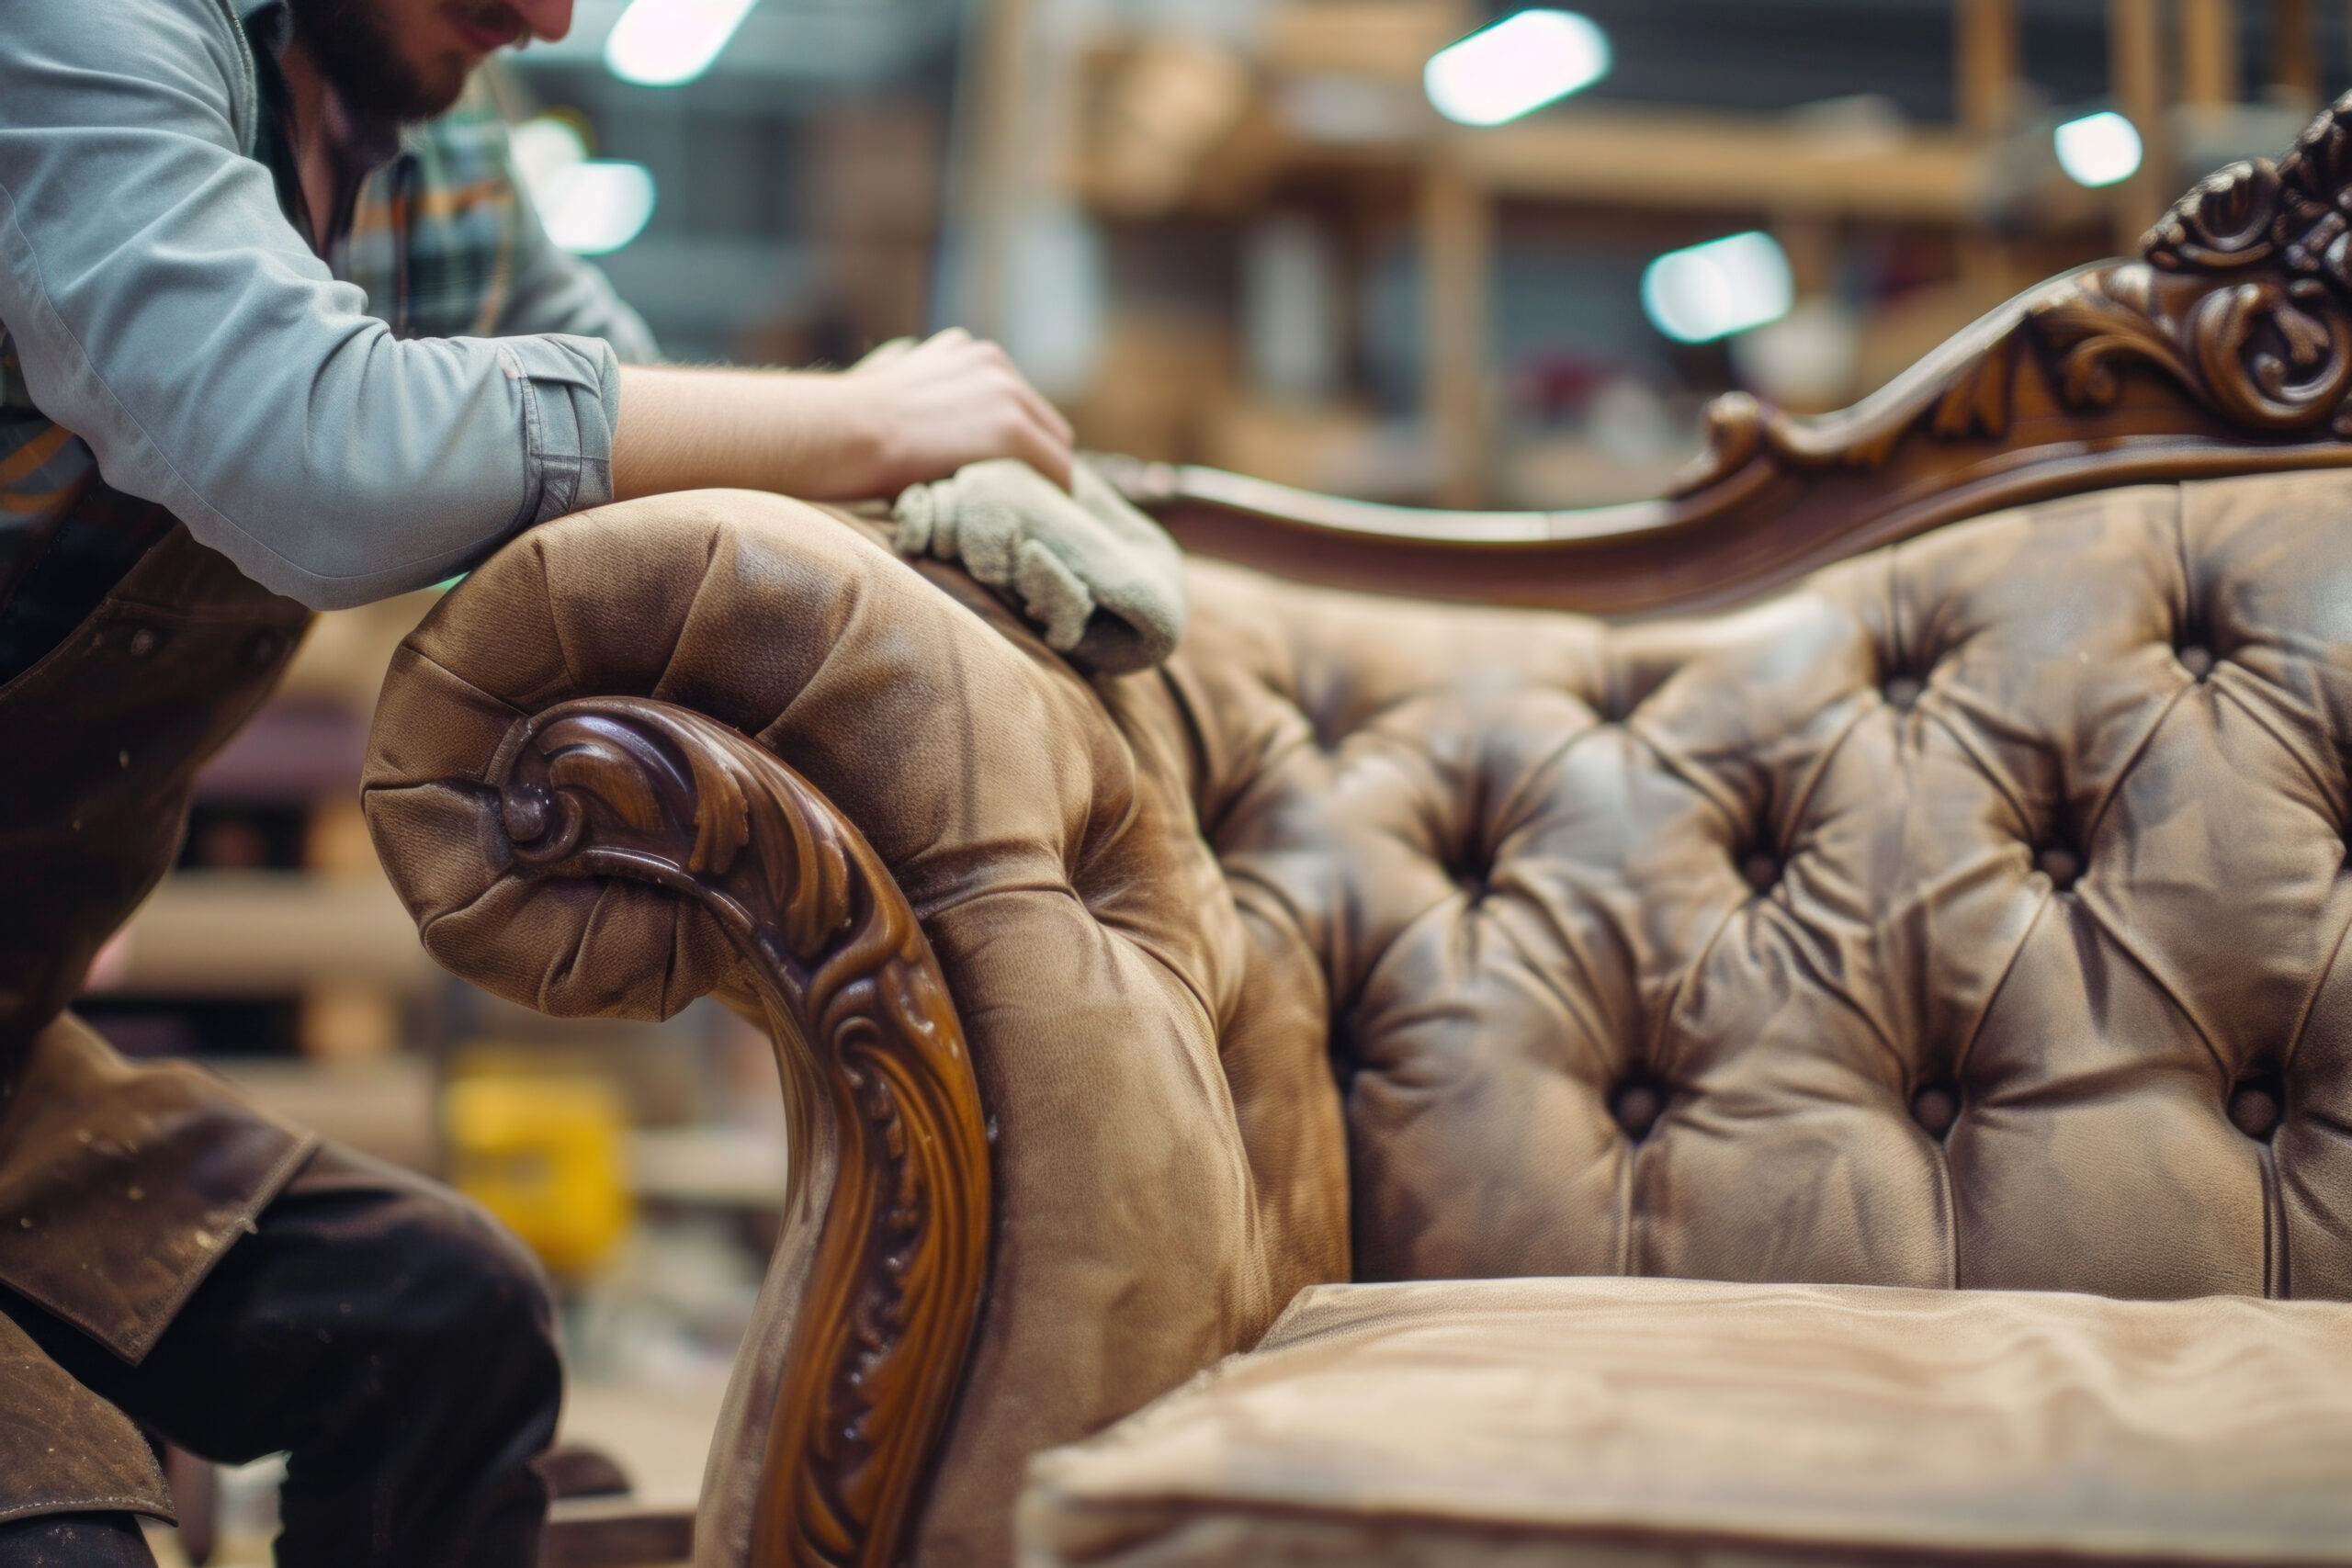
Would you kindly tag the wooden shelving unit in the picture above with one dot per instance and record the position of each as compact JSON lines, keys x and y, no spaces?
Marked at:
{"x":1172,"y":134}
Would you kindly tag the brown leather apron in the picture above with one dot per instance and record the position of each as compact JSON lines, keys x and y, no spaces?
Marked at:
{"x":120,"y":1186}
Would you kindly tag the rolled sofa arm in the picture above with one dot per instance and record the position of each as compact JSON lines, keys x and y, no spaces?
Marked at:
{"x":725,"y":742}
{"x":601,"y":826}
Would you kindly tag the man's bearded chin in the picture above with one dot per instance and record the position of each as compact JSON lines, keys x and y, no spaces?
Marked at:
{"x":362,"y":59}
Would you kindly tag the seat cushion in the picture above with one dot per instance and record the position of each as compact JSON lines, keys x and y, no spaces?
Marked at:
{"x":1527,"y":1421}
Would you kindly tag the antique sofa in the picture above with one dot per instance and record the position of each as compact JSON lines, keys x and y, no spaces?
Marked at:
{"x":1864,"y":1072}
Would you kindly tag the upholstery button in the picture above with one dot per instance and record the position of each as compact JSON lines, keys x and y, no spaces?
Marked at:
{"x":1936,"y":1106}
{"x":1760,"y":870}
{"x":2062,"y":866}
{"x":1637,"y":1103}
{"x":2198,"y":659}
{"x":1901,"y":691}
{"x":2255,"y":1106}
{"x":142,"y":642}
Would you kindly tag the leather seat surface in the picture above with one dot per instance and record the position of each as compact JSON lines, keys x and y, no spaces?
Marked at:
{"x":1672,"y":1421}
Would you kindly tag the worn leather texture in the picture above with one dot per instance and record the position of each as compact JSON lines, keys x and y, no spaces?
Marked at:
{"x":1133,"y":1037}
{"x":120,"y":1186}
{"x":1969,"y":916}
{"x":62,"y":1449}
{"x":1559,"y":1421}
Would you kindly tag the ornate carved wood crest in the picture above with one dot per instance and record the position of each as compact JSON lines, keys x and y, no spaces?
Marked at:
{"x":2224,"y":347}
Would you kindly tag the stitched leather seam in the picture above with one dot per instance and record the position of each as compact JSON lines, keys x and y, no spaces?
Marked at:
{"x":516,"y":708}
{"x":694,"y":607}
{"x":2027,"y":830}
{"x":2097,"y":818}
{"x":78,"y":1505}
{"x":1898,"y":635}
{"x":134,"y":1348}
{"x":2310,"y":1002}
{"x":1689,"y":773}
{"x":1801,"y":798}
{"x":2180,"y":618}
{"x":555,"y":621}
{"x":1993,"y":994}
{"x":1188,"y":713}
{"x":1184,"y":981}
{"x":1378,"y":961}
{"x":2181,"y":555}
{"x":1511,"y":806}
{"x":2112,"y":928}
{"x":2226,"y":686}
{"x":1537,"y":966}
{"x":1801,"y":949}
{"x":1654,"y":1045}
{"x":1941,"y":1154}
{"x":2275,"y":1283}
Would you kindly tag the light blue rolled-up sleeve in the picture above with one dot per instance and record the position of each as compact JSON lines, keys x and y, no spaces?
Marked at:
{"x":165,"y":312}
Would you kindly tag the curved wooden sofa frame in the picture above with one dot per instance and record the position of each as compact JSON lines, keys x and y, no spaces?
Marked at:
{"x":2226,"y":348}
{"x":889,"y":1222}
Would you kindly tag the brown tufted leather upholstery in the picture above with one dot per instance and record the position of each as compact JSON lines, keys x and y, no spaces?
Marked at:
{"x":1969,"y":916}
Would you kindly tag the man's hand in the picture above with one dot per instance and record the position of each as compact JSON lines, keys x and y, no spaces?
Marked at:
{"x":953,"y":400}
{"x":903,"y":416}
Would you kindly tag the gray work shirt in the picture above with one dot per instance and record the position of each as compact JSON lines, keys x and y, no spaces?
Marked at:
{"x":159,"y":305}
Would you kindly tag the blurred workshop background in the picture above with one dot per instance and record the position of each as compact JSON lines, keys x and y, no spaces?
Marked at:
{"x":1414,"y":250}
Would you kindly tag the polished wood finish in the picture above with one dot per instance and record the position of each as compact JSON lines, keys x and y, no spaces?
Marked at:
{"x":2225,"y":348}
{"x":887,"y":1221}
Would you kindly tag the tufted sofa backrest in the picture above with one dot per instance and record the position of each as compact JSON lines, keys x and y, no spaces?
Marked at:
{"x":1970,"y":916}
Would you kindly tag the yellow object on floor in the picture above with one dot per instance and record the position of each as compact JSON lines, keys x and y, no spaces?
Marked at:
{"x":544,"y":1155}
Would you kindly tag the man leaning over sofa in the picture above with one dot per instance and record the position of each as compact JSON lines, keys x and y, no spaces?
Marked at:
{"x":278,"y":334}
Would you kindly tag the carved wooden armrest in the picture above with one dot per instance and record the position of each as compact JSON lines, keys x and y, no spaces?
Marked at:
{"x":2226,"y":348}
{"x":879,"y":1275}
{"x":888,"y":1220}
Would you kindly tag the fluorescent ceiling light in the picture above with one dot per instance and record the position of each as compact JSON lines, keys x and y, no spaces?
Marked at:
{"x":597,"y":206}
{"x":1514,"y":67}
{"x":2098,"y":149}
{"x":544,"y":147}
{"x":661,"y":43}
{"x":1724,"y":287}
{"x":589,"y":205}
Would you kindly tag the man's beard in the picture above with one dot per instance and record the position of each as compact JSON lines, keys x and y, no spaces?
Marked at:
{"x":363,"y":62}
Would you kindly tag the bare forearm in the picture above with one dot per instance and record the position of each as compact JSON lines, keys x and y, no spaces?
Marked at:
{"x":704,"y":429}
{"x":900,"y":418}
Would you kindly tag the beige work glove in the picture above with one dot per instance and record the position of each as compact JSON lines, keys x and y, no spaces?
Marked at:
{"x":1103,"y":583}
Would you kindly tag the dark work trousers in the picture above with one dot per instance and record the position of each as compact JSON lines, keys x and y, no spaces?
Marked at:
{"x":383,"y":1333}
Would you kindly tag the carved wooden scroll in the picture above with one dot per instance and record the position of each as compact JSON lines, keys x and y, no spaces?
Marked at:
{"x":2225,"y":349}
{"x":888,"y":1142}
